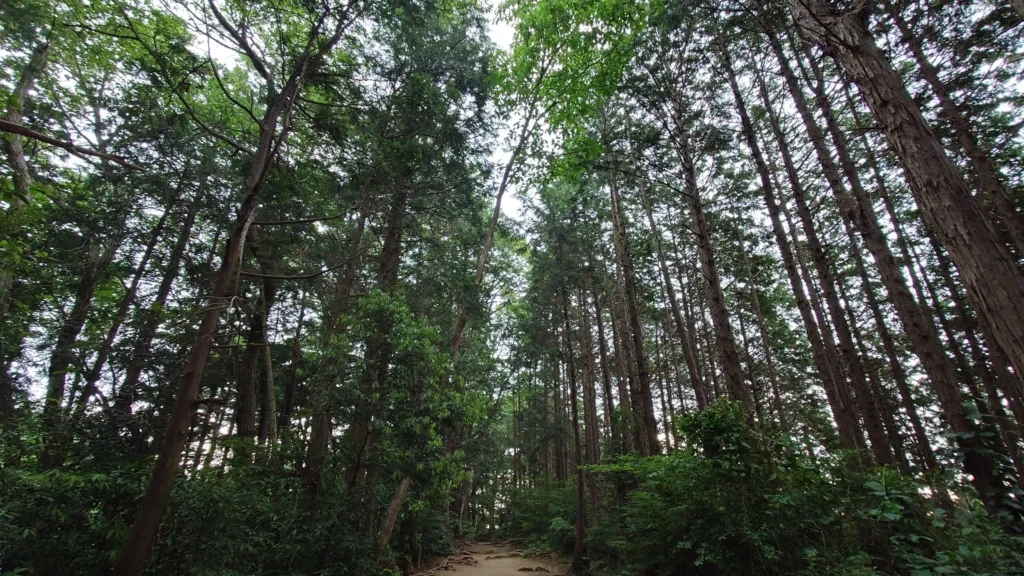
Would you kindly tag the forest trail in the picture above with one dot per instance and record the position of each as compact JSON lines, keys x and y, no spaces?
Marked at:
{"x":486,"y":559}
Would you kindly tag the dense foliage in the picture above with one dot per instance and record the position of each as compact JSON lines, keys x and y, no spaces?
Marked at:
{"x":740,"y":502}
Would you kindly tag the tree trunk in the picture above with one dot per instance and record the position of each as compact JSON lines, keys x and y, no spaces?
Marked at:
{"x":269,"y":393}
{"x":645,"y":418}
{"x":843,"y":403}
{"x":625,"y":417}
{"x":377,"y":358}
{"x":248,"y":392}
{"x":126,"y":302}
{"x":316,"y":450}
{"x":677,"y":316}
{"x":581,"y":507}
{"x":15,"y":114}
{"x":780,"y":237}
{"x":136,"y":550}
{"x":602,"y":346}
{"x":388,"y":525}
{"x":993,"y":281}
{"x":873,"y":425}
{"x":593,"y":451}
{"x":989,"y":184}
{"x":773,"y":377}
{"x":153,"y":317}
{"x":481,"y":263}
{"x":725,"y":342}
{"x":822,"y":345}
{"x":22,"y":184}
{"x":64,"y":351}
{"x":293,"y":370}
{"x":878,"y":392}
{"x":919,"y":326}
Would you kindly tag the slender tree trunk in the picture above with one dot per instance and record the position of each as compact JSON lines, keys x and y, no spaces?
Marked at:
{"x":993,"y":192}
{"x":63,"y":354}
{"x":153,"y":316}
{"x":126,"y":302}
{"x":293,"y":370}
{"x":20,"y":174}
{"x":214,"y":436}
{"x":481,"y":263}
{"x":877,"y":391}
{"x":773,"y":376}
{"x":691,"y":325}
{"x":666,"y":400}
{"x":873,"y":425}
{"x":843,"y":402}
{"x":994,"y":282}
{"x":593,"y":451}
{"x":378,"y":347}
{"x":248,"y":395}
{"x":602,"y":346}
{"x":725,"y":342}
{"x":391,"y":516}
{"x":625,"y":418}
{"x":645,"y":418}
{"x":990,"y":406}
{"x":269,"y":393}
{"x":581,"y":507}
{"x":316,"y":450}
{"x":136,"y":550}
{"x":919,"y":326}
{"x":677,"y":316}
{"x":15,"y":114}
{"x":1009,"y":383}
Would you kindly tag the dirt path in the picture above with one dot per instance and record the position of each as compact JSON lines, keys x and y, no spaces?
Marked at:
{"x":483,"y":559}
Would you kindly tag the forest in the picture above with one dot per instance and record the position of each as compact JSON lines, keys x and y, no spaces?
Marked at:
{"x":342,"y":287}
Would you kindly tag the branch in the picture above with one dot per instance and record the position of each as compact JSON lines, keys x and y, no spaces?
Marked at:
{"x":300,"y":221}
{"x":13,"y":128}
{"x":295,"y":277}
{"x":243,"y":43}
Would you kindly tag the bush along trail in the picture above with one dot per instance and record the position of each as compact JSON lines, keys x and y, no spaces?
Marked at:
{"x":617,"y":287}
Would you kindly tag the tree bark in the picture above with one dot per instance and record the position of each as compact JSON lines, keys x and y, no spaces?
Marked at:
{"x":391,"y":516}
{"x":581,"y":507}
{"x":644,"y":417}
{"x":993,"y":280}
{"x":993,"y":192}
{"x":873,"y":425}
{"x":153,"y":316}
{"x":725,"y":342}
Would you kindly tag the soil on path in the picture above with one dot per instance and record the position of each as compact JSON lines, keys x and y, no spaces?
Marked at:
{"x":484,"y":559}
